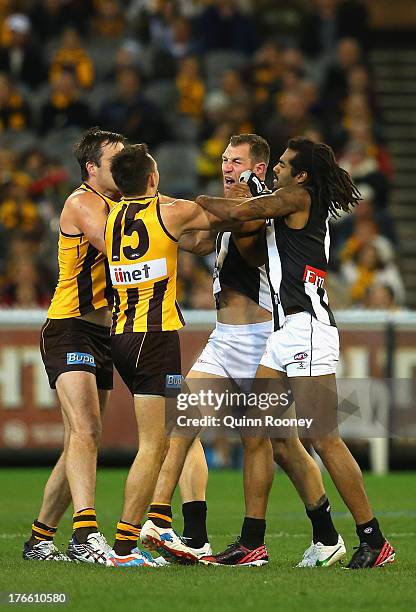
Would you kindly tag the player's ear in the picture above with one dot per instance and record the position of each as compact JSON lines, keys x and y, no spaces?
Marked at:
{"x":302,"y":177}
{"x":260,"y":169}
{"x":152,"y":180}
{"x":91,"y":168}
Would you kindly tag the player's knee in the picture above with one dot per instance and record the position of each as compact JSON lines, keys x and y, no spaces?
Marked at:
{"x":326,"y":446}
{"x":280,"y":452}
{"x":155,"y":445}
{"x":253,"y":444}
{"x":89,"y":432}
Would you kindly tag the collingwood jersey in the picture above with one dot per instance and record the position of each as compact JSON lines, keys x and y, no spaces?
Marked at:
{"x":84,"y":282}
{"x":232,"y":270}
{"x":297,"y":265}
{"x":142,"y":256}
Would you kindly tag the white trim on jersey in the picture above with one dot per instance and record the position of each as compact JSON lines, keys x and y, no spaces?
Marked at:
{"x":327,"y":241}
{"x":265,"y":299}
{"x":275,"y":273}
{"x":320,"y":312}
{"x":225,"y":241}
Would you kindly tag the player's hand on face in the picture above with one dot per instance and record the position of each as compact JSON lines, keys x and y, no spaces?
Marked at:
{"x":239,"y":190}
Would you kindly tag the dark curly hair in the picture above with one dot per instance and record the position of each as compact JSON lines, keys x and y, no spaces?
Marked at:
{"x":334,"y":186}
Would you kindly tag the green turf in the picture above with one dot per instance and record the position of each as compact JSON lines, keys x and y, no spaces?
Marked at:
{"x":275,"y":587}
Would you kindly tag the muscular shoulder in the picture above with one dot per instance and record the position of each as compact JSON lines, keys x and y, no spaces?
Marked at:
{"x":165,"y":199}
{"x":176,"y":214}
{"x":298,"y":197}
{"x":178,"y":211}
{"x":82,"y":211}
{"x":80,"y":199}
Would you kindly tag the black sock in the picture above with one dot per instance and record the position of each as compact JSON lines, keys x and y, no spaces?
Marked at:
{"x":160,"y":514}
{"x":370,"y":533}
{"x":252,"y":532}
{"x":322,"y":525}
{"x":195,"y":523}
{"x":41,"y":532}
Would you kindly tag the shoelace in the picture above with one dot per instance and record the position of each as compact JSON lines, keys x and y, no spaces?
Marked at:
{"x":102,"y":542}
{"x":359,"y":552}
{"x":234,"y":544}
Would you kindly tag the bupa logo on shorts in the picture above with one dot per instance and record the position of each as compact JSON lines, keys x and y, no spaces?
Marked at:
{"x":300,"y":356}
{"x":314,"y":276}
{"x":133,"y":274}
{"x":80,"y":359}
{"x":173,"y":381}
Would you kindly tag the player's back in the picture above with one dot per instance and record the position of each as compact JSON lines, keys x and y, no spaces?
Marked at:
{"x":142,"y":258}
{"x":84,"y":283}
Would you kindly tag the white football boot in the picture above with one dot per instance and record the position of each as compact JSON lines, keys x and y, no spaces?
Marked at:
{"x":319,"y":555}
{"x":204,"y":551}
{"x":45,"y":550}
{"x":167,"y":543}
{"x":95,"y":549}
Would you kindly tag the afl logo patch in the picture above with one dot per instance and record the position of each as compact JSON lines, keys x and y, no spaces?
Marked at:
{"x":300,"y":356}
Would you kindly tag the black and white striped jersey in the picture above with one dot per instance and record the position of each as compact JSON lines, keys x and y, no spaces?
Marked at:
{"x":297,"y":264}
{"x":232,"y":270}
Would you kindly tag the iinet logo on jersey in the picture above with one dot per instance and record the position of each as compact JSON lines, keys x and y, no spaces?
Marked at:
{"x":314,"y":276}
{"x":138,"y":272}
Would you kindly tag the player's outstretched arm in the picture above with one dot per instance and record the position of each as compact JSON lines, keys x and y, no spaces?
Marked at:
{"x":198,"y":242}
{"x":182,"y":216}
{"x":284,"y":201}
{"x":86,"y":213}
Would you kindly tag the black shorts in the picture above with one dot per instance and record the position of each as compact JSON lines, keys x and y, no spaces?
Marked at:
{"x":71,"y":345}
{"x":148,"y":362}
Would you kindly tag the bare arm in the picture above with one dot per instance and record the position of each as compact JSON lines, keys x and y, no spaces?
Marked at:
{"x":284,"y":201}
{"x":85,"y":213}
{"x":199,"y":242}
{"x":181,"y":216}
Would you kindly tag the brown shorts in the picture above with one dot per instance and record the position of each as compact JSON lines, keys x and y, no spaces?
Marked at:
{"x":69,"y":345}
{"x":148,"y":362}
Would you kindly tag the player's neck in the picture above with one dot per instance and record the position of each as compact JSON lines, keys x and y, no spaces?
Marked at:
{"x":100,"y":188}
{"x":149,"y":194}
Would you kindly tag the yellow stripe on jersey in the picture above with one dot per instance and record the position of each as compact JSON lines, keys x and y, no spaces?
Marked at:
{"x":84,"y":282}
{"x":143,"y":265}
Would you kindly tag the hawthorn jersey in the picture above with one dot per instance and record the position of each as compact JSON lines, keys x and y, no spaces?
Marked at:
{"x":84,"y":282}
{"x":142,"y":256}
{"x":297,"y":265}
{"x":233,"y":271}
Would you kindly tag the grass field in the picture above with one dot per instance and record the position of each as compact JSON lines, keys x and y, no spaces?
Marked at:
{"x":276,"y":587}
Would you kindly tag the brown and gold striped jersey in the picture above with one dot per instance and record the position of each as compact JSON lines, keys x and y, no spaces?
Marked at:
{"x":142,"y":256}
{"x":84,"y":282}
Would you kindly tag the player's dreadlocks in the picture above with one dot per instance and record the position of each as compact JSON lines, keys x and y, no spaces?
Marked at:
{"x":334,"y":185}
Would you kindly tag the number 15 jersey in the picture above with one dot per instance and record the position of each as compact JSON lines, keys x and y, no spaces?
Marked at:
{"x":142,"y":257}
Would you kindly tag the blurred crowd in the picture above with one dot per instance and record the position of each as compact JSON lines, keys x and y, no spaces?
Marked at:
{"x":183,"y":76}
